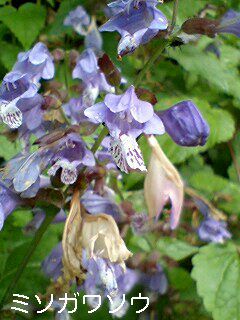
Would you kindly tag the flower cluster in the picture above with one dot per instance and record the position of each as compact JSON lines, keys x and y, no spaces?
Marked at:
{"x":99,"y":132}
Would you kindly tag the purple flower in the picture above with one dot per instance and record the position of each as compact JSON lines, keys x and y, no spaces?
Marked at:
{"x":78,"y":19}
{"x":155,"y":280}
{"x":93,"y":39}
{"x":137,"y":23}
{"x":96,"y":204}
{"x":94,"y":80}
{"x":38,"y":218}
{"x":230,"y":23}
{"x":139,"y":223}
{"x":74,"y":109}
{"x":70,"y":158}
{"x":126,"y":114}
{"x":185,"y":124}
{"x":22,"y":173}
{"x":52,"y":265}
{"x":211,"y":230}
{"x":37,"y":63}
{"x":15,"y":87}
{"x":8,"y":202}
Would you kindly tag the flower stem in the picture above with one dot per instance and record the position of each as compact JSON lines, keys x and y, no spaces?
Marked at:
{"x":150,"y":62}
{"x":99,"y":140}
{"x":35,"y":241}
{"x":174,"y":16}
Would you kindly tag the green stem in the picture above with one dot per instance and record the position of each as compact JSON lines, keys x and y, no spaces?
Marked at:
{"x":99,"y":140}
{"x":150,"y":62}
{"x":35,"y":241}
{"x":174,"y":16}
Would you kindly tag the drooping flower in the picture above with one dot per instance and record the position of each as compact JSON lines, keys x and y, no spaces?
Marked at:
{"x":37,"y":63}
{"x":78,"y":19}
{"x":93,"y":79}
{"x":185,"y":124}
{"x":126,"y":114}
{"x":162,"y":183}
{"x":14,"y":88}
{"x":211,"y":230}
{"x":230,"y":23}
{"x":137,"y":23}
{"x":101,"y":237}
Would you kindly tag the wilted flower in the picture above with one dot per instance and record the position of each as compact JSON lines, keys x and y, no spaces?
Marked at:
{"x":126,"y":114}
{"x":78,"y":19}
{"x":88,"y":71}
{"x":14,"y":88}
{"x":163,"y":183}
{"x":212,"y":230}
{"x":185,"y":124}
{"x":230,"y":23}
{"x":37,"y":63}
{"x":137,"y":23}
{"x":100,"y":237}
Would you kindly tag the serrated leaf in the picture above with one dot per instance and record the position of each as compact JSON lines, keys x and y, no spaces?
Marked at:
{"x":217,"y":273}
{"x":213,"y":186}
{"x":175,"y":249}
{"x":25,"y":23}
{"x":208,"y":67}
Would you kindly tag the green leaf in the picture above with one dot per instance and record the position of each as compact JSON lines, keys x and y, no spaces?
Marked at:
{"x":8,"y":149}
{"x":217,"y":273}
{"x":8,"y":56}
{"x":226,"y":192}
{"x":175,"y":249}
{"x":25,"y":23}
{"x":208,"y":67}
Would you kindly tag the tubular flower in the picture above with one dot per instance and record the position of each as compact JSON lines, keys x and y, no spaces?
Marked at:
{"x":163,"y":183}
{"x":14,"y":88}
{"x":185,"y":124}
{"x":78,"y":19}
{"x":137,"y":22}
{"x":37,"y":63}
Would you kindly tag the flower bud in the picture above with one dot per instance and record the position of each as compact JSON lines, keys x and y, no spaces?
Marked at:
{"x":204,"y":26}
{"x":185,"y":124}
{"x":162,"y":183}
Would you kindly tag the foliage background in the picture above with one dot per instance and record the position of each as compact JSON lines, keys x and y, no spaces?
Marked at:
{"x":204,"y":280}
